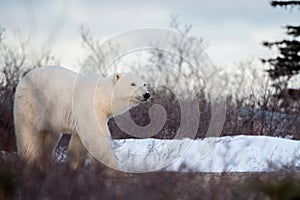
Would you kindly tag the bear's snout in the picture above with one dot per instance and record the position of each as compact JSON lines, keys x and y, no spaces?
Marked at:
{"x":146,"y":95}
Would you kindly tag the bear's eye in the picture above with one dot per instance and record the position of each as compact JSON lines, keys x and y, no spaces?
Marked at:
{"x":132,"y":84}
{"x":144,"y":84}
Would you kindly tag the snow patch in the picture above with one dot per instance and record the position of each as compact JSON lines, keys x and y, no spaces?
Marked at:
{"x":230,"y":154}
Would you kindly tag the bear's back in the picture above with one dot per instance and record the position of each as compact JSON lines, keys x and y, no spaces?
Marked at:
{"x":48,"y":91}
{"x":50,"y":82}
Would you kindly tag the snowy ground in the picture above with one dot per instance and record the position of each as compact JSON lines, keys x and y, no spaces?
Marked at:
{"x":231,"y":154}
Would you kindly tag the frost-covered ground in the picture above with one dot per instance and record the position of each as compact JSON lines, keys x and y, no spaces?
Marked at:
{"x":231,"y":154}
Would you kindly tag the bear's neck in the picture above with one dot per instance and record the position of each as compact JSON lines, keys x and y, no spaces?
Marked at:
{"x":103,"y":95}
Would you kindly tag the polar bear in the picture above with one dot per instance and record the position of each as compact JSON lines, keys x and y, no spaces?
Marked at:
{"x":53,"y":100}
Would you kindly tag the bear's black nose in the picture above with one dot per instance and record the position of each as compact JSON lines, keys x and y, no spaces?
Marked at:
{"x":146,"y":95}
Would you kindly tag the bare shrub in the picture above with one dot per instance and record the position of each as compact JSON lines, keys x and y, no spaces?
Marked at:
{"x":252,"y":108}
{"x":95,"y":63}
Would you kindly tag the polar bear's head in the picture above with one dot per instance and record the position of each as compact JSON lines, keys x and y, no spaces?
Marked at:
{"x":129,"y":90}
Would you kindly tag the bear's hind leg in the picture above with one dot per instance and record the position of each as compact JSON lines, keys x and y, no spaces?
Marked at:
{"x":29,"y":144}
{"x":48,"y":146}
{"x":36,"y":147}
{"x":77,"y":154}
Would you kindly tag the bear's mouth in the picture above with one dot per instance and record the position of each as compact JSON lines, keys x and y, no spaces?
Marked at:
{"x":140,"y":99}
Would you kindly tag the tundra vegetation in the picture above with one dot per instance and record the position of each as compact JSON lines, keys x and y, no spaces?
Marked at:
{"x":257,"y":103}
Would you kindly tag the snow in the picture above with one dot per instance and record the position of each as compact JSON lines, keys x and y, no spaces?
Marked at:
{"x":230,"y":154}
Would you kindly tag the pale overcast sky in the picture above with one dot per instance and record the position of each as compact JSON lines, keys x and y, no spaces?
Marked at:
{"x":233,"y":29}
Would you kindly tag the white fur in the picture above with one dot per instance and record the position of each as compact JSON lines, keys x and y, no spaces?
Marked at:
{"x":53,"y":100}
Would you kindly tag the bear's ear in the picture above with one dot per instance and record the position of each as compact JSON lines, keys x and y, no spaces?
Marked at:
{"x":117,"y":77}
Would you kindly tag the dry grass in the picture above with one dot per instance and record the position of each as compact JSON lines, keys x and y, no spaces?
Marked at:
{"x":18,"y":181}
